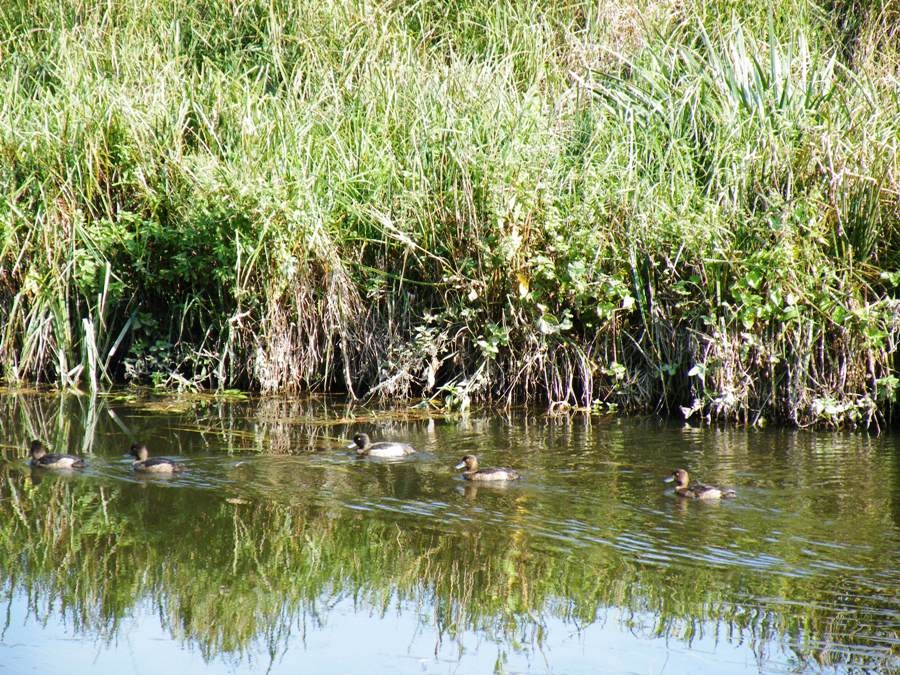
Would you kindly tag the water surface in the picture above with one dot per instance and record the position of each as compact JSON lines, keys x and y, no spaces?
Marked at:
{"x":279,"y":550}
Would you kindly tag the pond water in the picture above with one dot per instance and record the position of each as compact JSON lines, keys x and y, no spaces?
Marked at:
{"x":279,"y":550}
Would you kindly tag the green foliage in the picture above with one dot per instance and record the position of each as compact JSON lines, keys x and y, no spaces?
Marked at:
{"x":498,"y":198}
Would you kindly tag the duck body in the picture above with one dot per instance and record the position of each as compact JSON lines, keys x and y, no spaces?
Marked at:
{"x":684,"y":488}
{"x":143,"y":463}
{"x":366,"y":448}
{"x":471,"y":471}
{"x":45,"y":460}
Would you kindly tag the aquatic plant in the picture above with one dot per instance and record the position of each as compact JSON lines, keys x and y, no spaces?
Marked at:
{"x":651,"y":206}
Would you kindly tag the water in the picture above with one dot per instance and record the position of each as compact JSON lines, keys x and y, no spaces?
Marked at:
{"x":279,"y":550}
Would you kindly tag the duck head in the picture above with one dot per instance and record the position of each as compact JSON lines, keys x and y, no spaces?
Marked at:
{"x":679,"y":477}
{"x":37,"y":450}
{"x":469,"y":463}
{"x":360,"y":442}
{"x":140,"y":452}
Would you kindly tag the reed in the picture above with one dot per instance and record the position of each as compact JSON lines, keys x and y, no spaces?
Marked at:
{"x":657,"y":206}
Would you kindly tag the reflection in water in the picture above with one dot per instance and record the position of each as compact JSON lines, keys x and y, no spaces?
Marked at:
{"x":276,"y":534}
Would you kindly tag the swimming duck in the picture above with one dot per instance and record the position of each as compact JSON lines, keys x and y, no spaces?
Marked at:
{"x":143,"y":462}
{"x":366,"y":448}
{"x":697,"y":490}
{"x":472,"y":472}
{"x":40,"y":457}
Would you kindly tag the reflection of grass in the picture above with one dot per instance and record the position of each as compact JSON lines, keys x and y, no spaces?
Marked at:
{"x":279,"y":425}
{"x":224,"y":575}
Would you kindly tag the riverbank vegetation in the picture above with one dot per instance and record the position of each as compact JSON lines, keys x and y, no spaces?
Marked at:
{"x":646,"y":205}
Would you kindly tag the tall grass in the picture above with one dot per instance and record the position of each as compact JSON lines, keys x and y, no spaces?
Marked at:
{"x":651,"y":206}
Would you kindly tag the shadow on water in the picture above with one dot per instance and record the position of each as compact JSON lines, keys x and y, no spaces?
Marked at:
{"x":276,"y":532}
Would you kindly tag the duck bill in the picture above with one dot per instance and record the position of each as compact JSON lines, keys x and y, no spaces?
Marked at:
{"x":669,"y":479}
{"x":461,"y":465}
{"x":352,"y":445}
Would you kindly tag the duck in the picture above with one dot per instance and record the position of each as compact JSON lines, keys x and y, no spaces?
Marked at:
{"x":697,"y":490}
{"x":145,"y":464}
{"x":41,"y":458}
{"x":366,"y":448}
{"x":472,"y":472}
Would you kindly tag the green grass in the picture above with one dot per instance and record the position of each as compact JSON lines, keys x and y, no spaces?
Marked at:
{"x":637,"y":207}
